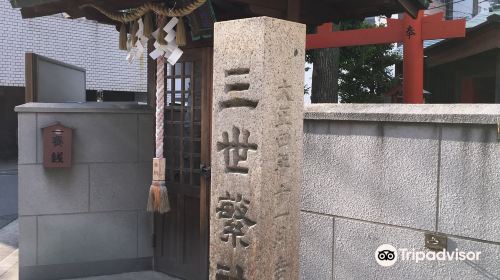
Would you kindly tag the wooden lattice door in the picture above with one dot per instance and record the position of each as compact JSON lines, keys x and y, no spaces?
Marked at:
{"x":181,"y":236}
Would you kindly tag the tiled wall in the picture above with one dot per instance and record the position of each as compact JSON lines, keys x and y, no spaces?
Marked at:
{"x":369,"y":183}
{"x":90,"y":218}
{"x":79,"y":42}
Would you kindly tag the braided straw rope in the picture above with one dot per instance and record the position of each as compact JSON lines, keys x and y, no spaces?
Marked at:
{"x":160,"y":104}
{"x":138,"y":12}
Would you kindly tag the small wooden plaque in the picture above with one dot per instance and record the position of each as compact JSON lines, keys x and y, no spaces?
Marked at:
{"x":57,"y":146}
{"x":159,"y":169}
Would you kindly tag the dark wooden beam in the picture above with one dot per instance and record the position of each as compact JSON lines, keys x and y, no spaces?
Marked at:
{"x":276,"y":4}
{"x":293,"y":10}
{"x":310,"y":12}
{"x":264,"y":11}
{"x":412,"y":7}
{"x":29,"y":74}
{"x":321,"y":12}
{"x":29,"y":3}
{"x":75,"y":10}
{"x":497,"y":77}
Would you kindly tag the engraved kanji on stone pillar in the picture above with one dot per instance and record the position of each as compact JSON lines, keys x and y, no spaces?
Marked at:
{"x":226,"y":273}
{"x":235,"y":150}
{"x":233,"y":211}
{"x":256,"y":149}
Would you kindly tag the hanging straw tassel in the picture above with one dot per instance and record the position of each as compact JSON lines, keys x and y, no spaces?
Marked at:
{"x":123,"y":38}
{"x":133,"y":32}
{"x":180,"y":38}
{"x":148,"y":24}
{"x":161,"y":32}
{"x":158,"y":194}
{"x":158,"y":198}
{"x":154,"y":197}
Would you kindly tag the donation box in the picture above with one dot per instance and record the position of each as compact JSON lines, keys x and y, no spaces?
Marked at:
{"x":57,"y":142}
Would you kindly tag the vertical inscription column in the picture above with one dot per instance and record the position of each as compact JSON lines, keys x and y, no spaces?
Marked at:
{"x":256,"y":149}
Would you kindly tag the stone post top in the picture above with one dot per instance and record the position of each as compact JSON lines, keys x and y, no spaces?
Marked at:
{"x":256,"y":20}
{"x":85,"y":107}
{"x":416,"y":113}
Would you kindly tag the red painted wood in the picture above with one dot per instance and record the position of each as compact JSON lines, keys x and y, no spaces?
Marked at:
{"x":434,"y":27}
{"x":413,"y":60}
{"x":325,"y":38}
{"x":423,"y":27}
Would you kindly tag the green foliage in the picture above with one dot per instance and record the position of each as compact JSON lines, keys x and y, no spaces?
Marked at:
{"x":364,"y":75}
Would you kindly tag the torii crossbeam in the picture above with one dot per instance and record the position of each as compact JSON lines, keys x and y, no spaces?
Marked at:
{"x":411,"y":32}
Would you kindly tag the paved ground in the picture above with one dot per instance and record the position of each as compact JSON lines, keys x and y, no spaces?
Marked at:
{"x":13,"y":273}
{"x":145,"y":275}
{"x":5,"y":220}
{"x":9,"y":232}
{"x":9,"y":260}
{"x":8,"y":191}
{"x":9,"y":251}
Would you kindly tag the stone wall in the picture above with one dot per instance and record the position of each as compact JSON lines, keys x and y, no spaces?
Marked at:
{"x":88,"y":219}
{"x":376,"y":174}
{"x":373,"y":174}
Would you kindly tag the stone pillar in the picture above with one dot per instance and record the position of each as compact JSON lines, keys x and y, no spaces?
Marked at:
{"x":257,"y":149}
{"x":497,"y":78}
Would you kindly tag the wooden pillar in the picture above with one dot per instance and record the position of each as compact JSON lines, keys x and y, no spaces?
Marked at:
{"x":497,"y":78}
{"x":468,"y":90}
{"x":293,"y":10}
{"x":475,"y":7}
{"x":413,"y":61}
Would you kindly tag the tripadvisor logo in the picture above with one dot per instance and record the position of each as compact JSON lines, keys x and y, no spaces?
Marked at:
{"x":387,"y":255}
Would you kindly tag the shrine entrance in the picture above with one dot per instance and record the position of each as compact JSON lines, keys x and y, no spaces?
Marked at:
{"x":181,"y":235}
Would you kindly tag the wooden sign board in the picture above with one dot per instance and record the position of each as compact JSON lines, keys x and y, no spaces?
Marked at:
{"x":57,"y":146}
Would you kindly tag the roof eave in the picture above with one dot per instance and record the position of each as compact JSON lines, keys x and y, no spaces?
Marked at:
{"x":29,"y":3}
{"x":412,"y":7}
{"x":493,"y":19}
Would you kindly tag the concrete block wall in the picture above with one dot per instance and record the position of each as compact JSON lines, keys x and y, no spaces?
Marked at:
{"x":377,"y":174}
{"x":80,"y":42}
{"x":89,"y":219}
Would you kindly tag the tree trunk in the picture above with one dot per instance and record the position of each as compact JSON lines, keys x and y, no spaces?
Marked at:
{"x":325,"y":76}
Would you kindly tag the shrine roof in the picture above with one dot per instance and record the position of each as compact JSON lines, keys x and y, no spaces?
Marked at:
{"x":310,"y":12}
{"x":480,"y":38}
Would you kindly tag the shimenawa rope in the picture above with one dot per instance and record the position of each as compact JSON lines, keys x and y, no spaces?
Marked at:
{"x":159,"y":9}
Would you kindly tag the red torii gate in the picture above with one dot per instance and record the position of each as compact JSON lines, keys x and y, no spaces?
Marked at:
{"x":412,"y":32}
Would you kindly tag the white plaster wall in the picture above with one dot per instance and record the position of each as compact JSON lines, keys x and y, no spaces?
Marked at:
{"x":80,"y":42}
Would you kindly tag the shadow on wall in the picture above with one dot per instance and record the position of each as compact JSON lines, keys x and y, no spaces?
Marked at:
{"x":8,"y":191}
{"x":10,"y":97}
